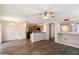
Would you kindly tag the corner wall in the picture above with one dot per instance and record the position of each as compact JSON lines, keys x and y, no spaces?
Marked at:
{"x":46,"y":30}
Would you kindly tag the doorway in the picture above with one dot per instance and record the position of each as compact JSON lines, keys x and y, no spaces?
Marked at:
{"x":52,"y":32}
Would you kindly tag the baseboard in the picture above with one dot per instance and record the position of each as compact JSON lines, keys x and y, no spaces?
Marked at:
{"x":13,"y":39}
{"x":68,"y":44}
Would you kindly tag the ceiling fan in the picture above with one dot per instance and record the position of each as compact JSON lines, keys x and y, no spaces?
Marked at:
{"x":46,"y":15}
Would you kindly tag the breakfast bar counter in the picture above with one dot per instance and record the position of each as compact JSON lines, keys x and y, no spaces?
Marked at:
{"x":37,"y":36}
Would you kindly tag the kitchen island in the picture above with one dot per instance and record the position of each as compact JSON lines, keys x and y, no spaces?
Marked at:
{"x":38,"y":36}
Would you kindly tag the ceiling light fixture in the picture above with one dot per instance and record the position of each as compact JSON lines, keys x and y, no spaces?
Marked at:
{"x":46,"y":14}
{"x":45,"y":17}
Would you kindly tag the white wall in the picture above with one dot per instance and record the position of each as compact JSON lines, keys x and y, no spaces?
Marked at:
{"x":46,"y":29}
{"x":77,"y":27}
{"x":52,"y":30}
{"x":13,"y":32}
{"x":57,"y":29}
{"x":0,"y":32}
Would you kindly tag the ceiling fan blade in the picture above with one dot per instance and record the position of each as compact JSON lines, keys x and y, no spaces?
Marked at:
{"x":66,"y":19}
{"x":51,"y":12}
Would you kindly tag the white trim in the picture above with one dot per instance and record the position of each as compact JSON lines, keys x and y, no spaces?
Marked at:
{"x":67,"y":44}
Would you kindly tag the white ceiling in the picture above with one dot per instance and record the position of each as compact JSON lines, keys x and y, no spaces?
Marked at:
{"x":28,"y":12}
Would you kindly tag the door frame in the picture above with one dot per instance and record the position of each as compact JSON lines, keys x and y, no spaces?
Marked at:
{"x":50,"y":36}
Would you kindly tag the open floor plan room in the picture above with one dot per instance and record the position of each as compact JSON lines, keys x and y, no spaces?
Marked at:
{"x":39,"y":29}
